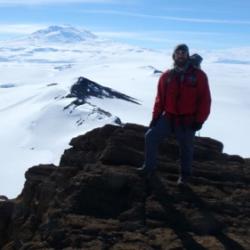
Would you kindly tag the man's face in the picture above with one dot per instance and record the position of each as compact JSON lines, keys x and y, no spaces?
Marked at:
{"x":180,"y":57}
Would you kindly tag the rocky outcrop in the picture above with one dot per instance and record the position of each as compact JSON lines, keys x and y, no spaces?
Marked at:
{"x":96,"y":200}
{"x":84,"y":89}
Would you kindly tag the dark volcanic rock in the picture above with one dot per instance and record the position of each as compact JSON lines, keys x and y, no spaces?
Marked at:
{"x":6,"y":210}
{"x":96,"y":200}
{"x":85,"y":88}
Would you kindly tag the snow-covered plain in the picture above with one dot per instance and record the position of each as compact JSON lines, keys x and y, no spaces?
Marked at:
{"x":36,"y":74}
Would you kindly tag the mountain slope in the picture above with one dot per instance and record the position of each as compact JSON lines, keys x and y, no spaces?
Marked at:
{"x":40,"y":120}
{"x":61,"y":34}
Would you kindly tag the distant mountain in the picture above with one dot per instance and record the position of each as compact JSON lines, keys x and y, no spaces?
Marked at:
{"x":61,"y":34}
{"x":55,"y":45}
{"x":232,"y":61}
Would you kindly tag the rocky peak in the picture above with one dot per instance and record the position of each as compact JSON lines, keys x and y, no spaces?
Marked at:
{"x":84,"y":89}
{"x":95,"y":199}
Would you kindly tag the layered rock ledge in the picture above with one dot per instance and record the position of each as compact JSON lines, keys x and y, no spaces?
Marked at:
{"x":95,"y":199}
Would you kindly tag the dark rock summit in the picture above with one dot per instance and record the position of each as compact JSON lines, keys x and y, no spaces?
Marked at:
{"x":84,"y":88}
{"x":95,"y":200}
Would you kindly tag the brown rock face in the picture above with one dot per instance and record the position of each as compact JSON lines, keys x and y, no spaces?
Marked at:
{"x":95,"y":199}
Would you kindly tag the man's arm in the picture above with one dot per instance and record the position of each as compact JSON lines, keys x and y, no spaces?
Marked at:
{"x":204,"y":99}
{"x":160,"y":97}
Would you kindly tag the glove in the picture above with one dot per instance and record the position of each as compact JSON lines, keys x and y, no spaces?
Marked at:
{"x":153,"y":122}
{"x":196,"y":126}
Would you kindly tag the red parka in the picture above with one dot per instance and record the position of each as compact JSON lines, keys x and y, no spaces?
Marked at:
{"x":186,"y":95}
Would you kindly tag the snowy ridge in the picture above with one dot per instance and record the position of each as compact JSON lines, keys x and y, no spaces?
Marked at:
{"x":38,"y":121}
{"x":84,"y":88}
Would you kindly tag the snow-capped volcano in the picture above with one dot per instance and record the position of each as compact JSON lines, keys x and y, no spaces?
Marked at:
{"x":61,"y":34}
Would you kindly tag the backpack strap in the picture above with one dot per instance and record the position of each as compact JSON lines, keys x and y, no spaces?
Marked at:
{"x":193,"y":76}
{"x":171,"y":74}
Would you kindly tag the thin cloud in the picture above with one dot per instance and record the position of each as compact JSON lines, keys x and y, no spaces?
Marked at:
{"x":155,"y":36}
{"x":168,"y":38}
{"x":24,"y":29}
{"x":46,"y":2}
{"x":20,"y":29}
{"x":161,"y":40}
{"x":170,"y":18}
{"x":142,"y":36}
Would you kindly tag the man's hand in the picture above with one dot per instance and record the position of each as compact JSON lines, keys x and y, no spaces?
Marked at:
{"x":197,"y":126}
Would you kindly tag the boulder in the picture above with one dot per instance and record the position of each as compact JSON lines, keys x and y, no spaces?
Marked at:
{"x":95,"y":199}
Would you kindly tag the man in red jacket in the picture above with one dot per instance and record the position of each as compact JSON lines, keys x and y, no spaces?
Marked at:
{"x":181,"y":107}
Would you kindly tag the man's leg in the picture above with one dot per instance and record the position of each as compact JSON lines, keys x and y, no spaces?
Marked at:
{"x":153,"y":137}
{"x":185,"y":137}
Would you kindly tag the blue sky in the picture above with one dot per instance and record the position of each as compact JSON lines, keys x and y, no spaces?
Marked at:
{"x":155,"y":24}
